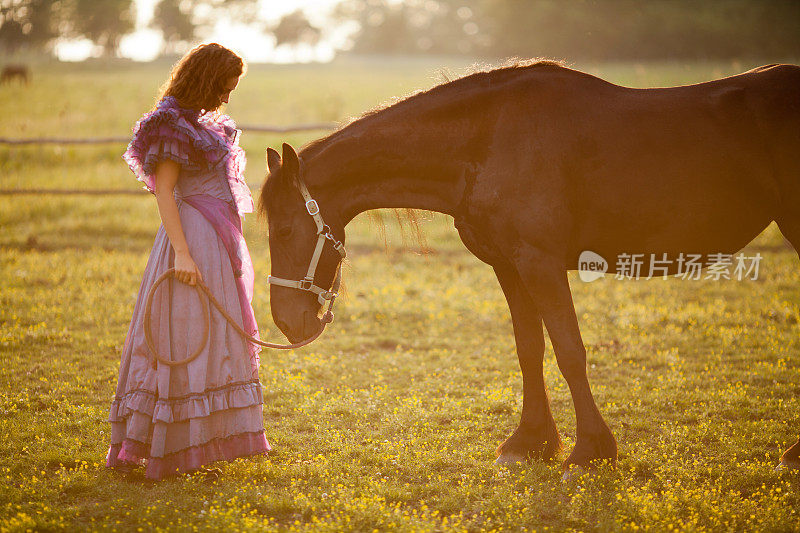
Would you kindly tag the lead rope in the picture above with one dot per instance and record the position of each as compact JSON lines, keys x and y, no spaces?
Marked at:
{"x":203,"y":289}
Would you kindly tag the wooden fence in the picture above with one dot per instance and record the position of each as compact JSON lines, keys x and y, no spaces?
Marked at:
{"x":317,"y":126}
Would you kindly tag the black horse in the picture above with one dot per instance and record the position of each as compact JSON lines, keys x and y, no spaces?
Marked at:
{"x":537,"y":163}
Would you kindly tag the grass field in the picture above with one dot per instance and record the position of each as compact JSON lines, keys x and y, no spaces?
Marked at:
{"x":390,"y":421}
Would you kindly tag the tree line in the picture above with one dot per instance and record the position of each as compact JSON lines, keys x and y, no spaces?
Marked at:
{"x":34,"y":25}
{"x":574,"y":29}
{"x":579,"y":29}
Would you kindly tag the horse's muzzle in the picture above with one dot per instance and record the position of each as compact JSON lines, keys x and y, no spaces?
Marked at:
{"x":306,"y":326}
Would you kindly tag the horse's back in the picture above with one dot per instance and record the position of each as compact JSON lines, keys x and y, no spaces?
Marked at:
{"x":692,"y":168}
{"x":720,"y":162}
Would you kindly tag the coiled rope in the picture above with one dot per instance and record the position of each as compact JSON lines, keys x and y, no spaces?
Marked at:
{"x":202,"y":289}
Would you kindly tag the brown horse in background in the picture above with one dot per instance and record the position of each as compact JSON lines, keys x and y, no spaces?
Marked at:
{"x":537,"y":163}
{"x":10,"y":72}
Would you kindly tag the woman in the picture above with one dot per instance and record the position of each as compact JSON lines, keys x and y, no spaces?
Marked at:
{"x":178,"y":418}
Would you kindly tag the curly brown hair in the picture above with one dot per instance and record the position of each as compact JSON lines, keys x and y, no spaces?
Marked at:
{"x":197,"y":80}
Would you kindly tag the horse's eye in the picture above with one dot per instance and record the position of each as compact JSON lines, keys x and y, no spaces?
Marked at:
{"x":284,"y":232}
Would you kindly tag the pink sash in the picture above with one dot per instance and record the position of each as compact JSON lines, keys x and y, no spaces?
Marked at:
{"x":228,"y":225}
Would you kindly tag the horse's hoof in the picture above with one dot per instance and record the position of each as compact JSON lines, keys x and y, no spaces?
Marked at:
{"x":510,"y":459}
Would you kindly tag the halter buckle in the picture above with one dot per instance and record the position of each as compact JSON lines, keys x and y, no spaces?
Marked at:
{"x":312,"y":207}
{"x":305,"y":284}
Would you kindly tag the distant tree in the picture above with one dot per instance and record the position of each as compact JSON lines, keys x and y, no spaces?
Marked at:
{"x":11,"y":35}
{"x":30,"y":23}
{"x":206,"y":13}
{"x":295,"y":28}
{"x":385,"y":28}
{"x":180,"y":21}
{"x":413,"y":26}
{"x":104,"y":22}
{"x":174,"y":19}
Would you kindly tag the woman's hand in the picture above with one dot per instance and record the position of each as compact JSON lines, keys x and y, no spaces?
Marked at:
{"x":167,"y":173}
{"x":186,"y":270}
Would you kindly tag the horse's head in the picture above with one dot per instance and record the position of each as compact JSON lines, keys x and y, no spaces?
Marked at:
{"x":294,"y":235}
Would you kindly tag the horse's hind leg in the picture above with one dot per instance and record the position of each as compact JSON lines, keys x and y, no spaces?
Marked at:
{"x":545,"y":277}
{"x":790,"y":227}
{"x":536,"y":437}
{"x":791,"y":457}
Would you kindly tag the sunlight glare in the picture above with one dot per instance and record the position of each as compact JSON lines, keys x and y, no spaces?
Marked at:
{"x":142,"y":45}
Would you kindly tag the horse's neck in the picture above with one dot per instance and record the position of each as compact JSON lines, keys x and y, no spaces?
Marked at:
{"x":396,"y":162}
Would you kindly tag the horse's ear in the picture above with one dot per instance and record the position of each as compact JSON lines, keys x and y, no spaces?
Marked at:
{"x":273,"y":160}
{"x":291,"y":163}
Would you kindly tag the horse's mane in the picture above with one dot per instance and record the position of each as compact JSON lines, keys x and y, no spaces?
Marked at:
{"x":479,"y":77}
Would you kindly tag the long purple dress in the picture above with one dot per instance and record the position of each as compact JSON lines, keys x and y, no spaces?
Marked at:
{"x":175,"y":419}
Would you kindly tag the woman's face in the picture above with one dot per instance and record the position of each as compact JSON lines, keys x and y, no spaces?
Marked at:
{"x":228,"y":87}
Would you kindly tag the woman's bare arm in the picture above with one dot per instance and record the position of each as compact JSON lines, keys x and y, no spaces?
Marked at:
{"x":166,"y":177}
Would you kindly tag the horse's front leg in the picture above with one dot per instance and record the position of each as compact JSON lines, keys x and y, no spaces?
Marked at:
{"x":545,"y":277}
{"x":536,"y":437}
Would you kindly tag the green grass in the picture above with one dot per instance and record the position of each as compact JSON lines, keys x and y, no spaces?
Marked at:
{"x":391,"y":419}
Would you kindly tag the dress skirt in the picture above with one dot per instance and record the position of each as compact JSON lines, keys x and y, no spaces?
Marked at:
{"x":178,"y":418}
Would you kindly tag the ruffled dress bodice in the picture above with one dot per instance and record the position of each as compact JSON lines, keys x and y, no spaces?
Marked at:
{"x":205,"y":145}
